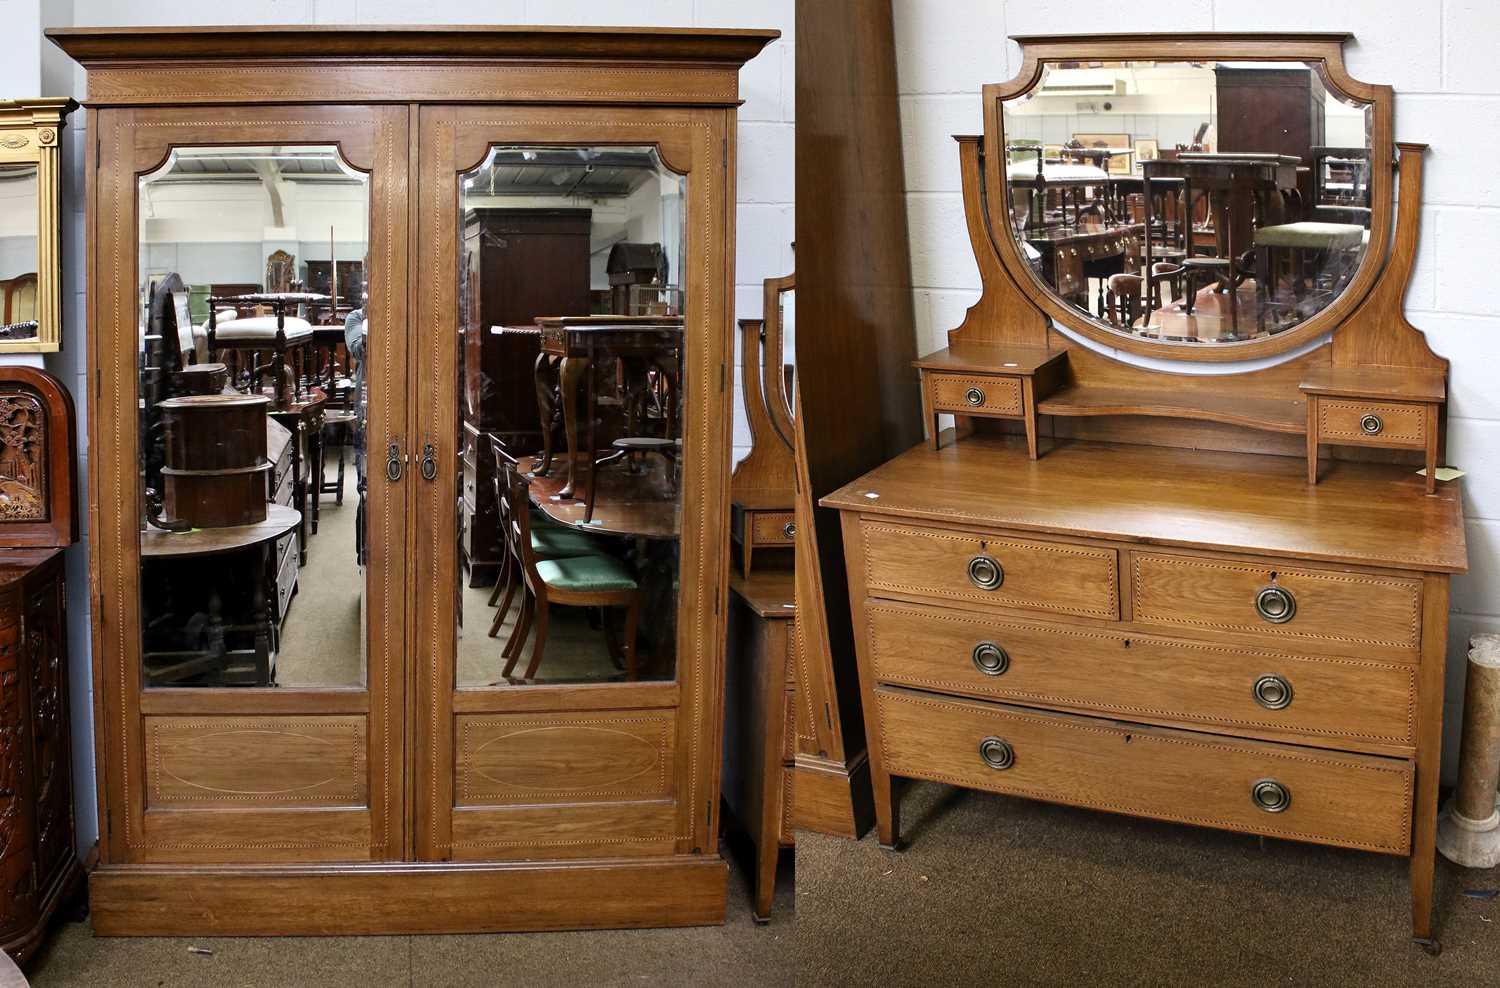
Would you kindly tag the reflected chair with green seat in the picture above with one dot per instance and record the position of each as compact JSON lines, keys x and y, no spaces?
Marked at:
{"x":596,"y":579}
{"x":549,"y":540}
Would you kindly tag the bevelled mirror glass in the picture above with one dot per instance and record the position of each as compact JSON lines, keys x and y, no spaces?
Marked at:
{"x":254,"y":356}
{"x":1207,"y":203}
{"x":571,"y":281}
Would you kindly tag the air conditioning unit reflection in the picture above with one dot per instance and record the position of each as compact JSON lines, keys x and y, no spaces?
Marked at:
{"x":1083,"y":82}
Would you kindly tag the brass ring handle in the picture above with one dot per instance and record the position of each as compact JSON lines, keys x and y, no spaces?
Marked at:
{"x":1371,"y":424}
{"x":429,"y":462}
{"x":1270,"y":795}
{"x":997,"y":754}
{"x":789,"y":530}
{"x":393,"y":463}
{"x":1272,"y":692}
{"x":1276,"y":604}
{"x":990,"y":659}
{"x":985,"y":572}
{"x":974,"y":396}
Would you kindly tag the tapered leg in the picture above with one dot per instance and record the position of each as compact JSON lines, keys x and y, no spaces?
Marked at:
{"x":887,"y":809}
{"x":544,"y":409}
{"x":539,"y":639}
{"x":572,"y":372}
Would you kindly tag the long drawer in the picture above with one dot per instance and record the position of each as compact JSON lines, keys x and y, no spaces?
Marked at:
{"x":1305,"y":794}
{"x":1057,"y":577}
{"x":1142,"y":677}
{"x":1304,"y":606}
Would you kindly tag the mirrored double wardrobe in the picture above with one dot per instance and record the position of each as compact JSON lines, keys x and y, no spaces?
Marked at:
{"x":409,"y":501}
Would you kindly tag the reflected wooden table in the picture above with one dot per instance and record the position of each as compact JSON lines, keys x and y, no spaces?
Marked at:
{"x":571,"y":347}
{"x":159,"y":545}
{"x":625,"y":504}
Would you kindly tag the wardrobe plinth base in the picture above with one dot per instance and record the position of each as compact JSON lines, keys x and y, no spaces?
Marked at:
{"x":400,"y":898}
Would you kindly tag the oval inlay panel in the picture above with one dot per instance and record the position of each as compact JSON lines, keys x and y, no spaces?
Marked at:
{"x":266,"y":760}
{"x":565,"y":758}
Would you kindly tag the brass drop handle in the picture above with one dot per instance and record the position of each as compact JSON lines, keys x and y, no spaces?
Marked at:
{"x":1272,"y":692}
{"x":990,"y":659}
{"x":974,"y":396}
{"x":1270,"y":795}
{"x":997,"y":753}
{"x":985,"y":572}
{"x":789,"y":530}
{"x":393,"y":462}
{"x":429,"y":462}
{"x":1275,"y":604}
{"x":1371,"y":424}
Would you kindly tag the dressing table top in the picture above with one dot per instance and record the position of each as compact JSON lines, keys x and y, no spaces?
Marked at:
{"x":1371,"y":514}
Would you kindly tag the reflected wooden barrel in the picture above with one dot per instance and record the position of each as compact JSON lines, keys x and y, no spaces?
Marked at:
{"x":216,"y":465}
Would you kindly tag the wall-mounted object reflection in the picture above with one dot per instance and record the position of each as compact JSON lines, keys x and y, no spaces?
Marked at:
{"x":571,"y":398}
{"x":1189,"y":202}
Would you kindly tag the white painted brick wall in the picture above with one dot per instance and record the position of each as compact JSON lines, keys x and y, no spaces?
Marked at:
{"x":765,"y":182}
{"x":1439,"y":56}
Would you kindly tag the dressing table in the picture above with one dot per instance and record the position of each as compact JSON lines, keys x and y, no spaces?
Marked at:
{"x":1126,"y":590}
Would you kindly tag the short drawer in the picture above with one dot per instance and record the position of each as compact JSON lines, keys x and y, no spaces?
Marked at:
{"x":1327,"y":700}
{"x":1383,"y":423}
{"x":966,"y":394}
{"x":1304,"y":794}
{"x":773,"y":528}
{"x":991,"y":569}
{"x":1333,"y":610}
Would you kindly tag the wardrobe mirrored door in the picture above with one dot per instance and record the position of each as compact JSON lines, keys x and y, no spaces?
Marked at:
{"x":253,"y":310}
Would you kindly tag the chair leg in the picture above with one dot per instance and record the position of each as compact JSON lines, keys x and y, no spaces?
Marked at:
{"x":502,"y":582}
{"x":510,"y":592}
{"x":539,"y":640}
{"x":512,"y":650}
{"x":631,"y":613}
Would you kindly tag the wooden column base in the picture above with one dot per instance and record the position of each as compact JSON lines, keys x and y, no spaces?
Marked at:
{"x":398,"y":898}
{"x":833,"y":798}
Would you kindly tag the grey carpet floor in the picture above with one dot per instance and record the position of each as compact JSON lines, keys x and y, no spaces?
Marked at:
{"x":997,"y":891}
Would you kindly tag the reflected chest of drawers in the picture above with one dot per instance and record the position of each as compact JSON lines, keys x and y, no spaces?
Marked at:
{"x":1188,"y":636}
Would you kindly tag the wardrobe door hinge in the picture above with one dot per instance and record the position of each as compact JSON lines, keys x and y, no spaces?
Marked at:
{"x":723,"y":376}
{"x":724,"y":145}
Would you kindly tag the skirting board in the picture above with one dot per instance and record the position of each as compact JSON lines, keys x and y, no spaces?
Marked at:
{"x":831,"y":798}
{"x":396,"y":898}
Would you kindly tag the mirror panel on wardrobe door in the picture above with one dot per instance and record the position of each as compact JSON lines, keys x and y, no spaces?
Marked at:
{"x":253,"y":352}
{"x":570,"y":337}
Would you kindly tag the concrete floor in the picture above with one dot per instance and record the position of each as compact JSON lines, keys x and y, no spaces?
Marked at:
{"x":998,"y":891}
{"x":738,"y":953}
